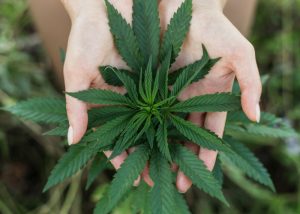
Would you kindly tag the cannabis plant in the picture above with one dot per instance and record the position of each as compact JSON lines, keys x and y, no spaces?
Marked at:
{"x":150,"y":118}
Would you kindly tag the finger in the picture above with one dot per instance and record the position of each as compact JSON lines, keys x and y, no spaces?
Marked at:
{"x":76,"y":109}
{"x":174,"y":167}
{"x":146,"y":176}
{"x":137,"y":181}
{"x":214,"y":121}
{"x":117,"y":161}
{"x":249,"y":80}
{"x":183,"y":183}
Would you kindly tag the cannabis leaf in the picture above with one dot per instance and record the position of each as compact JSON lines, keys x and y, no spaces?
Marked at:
{"x":211,"y":62}
{"x":129,"y":135}
{"x":99,"y":96}
{"x":199,"y":136}
{"x":109,"y":76}
{"x":42,"y":110}
{"x":164,"y":75}
{"x":98,"y":165}
{"x":181,"y":205}
{"x":99,"y":116}
{"x":124,"y":179}
{"x":109,"y":131}
{"x":162,"y":195}
{"x":189,"y":73}
{"x":245,"y":160}
{"x":124,"y":38}
{"x":146,"y":28}
{"x":177,"y":30}
{"x":269,"y":126}
{"x":150,"y":117}
{"x":129,"y":84}
{"x":217,"y":171}
{"x":209,"y":103}
{"x":76,"y":158}
{"x":162,"y":141}
{"x":80,"y":154}
{"x":195,"y":169}
{"x":61,"y":130}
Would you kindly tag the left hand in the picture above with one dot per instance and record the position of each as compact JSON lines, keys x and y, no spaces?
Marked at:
{"x":210,"y":27}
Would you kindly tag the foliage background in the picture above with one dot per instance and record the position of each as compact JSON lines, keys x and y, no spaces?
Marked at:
{"x":26,"y":157}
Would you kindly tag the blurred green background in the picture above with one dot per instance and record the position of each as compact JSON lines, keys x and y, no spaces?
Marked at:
{"x":26,"y":157}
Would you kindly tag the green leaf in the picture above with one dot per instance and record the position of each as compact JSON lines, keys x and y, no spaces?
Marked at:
{"x":245,"y":160}
{"x":211,"y":62}
{"x":148,"y":79}
{"x":150,"y":135}
{"x":61,"y":130}
{"x":145,"y":128}
{"x":76,"y":158}
{"x":195,"y":169}
{"x":209,"y":103}
{"x":109,"y":76}
{"x":140,"y":199}
{"x":187,"y":76}
{"x":146,"y":28}
{"x":269,"y":126}
{"x":141,"y":88}
{"x":265,"y":118}
{"x":129,"y":84}
{"x":99,"y":116}
{"x":162,"y":195}
{"x":124,"y":38}
{"x":181,"y":205}
{"x":177,"y":30}
{"x":164,"y":75}
{"x":99,"y":164}
{"x":109,"y":131}
{"x":263,"y":131}
{"x":41,"y":110}
{"x":155,"y":88}
{"x":129,"y":135}
{"x":199,"y":136}
{"x":80,"y":154}
{"x":217,"y":171}
{"x":162,"y":140}
{"x":99,"y":96}
{"x":124,"y":178}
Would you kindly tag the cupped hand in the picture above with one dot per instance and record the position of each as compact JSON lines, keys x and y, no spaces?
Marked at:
{"x":210,"y":27}
{"x":90,"y":45}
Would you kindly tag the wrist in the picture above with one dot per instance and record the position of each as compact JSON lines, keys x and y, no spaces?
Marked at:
{"x":209,"y":5}
{"x":81,"y":8}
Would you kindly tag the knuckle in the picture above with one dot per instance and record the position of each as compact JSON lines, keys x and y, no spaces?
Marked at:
{"x":242,"y":50}
{"x":75,"y":71}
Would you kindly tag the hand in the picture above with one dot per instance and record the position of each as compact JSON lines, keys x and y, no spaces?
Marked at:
{"x":90,"y":45}
{"x":210,"y":27}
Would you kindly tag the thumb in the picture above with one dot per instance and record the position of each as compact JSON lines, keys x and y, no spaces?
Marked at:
{"x":249,"y":80}
{"x":76,"y":109}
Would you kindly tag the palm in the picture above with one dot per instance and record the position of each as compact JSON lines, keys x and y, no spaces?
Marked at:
{"x":221,"y":39}
{"x":221,"y":77}
{"x":90,"y":51}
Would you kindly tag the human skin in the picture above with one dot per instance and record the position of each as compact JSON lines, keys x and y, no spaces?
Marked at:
{"x":210,"y":27}
{"x":87,"y":50}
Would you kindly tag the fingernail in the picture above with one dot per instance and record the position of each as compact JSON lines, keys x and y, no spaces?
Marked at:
{"x":257,"y":113}
{"x":137,"y":182}
{"x":70,"y":136}
{"x":180,"y":191}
